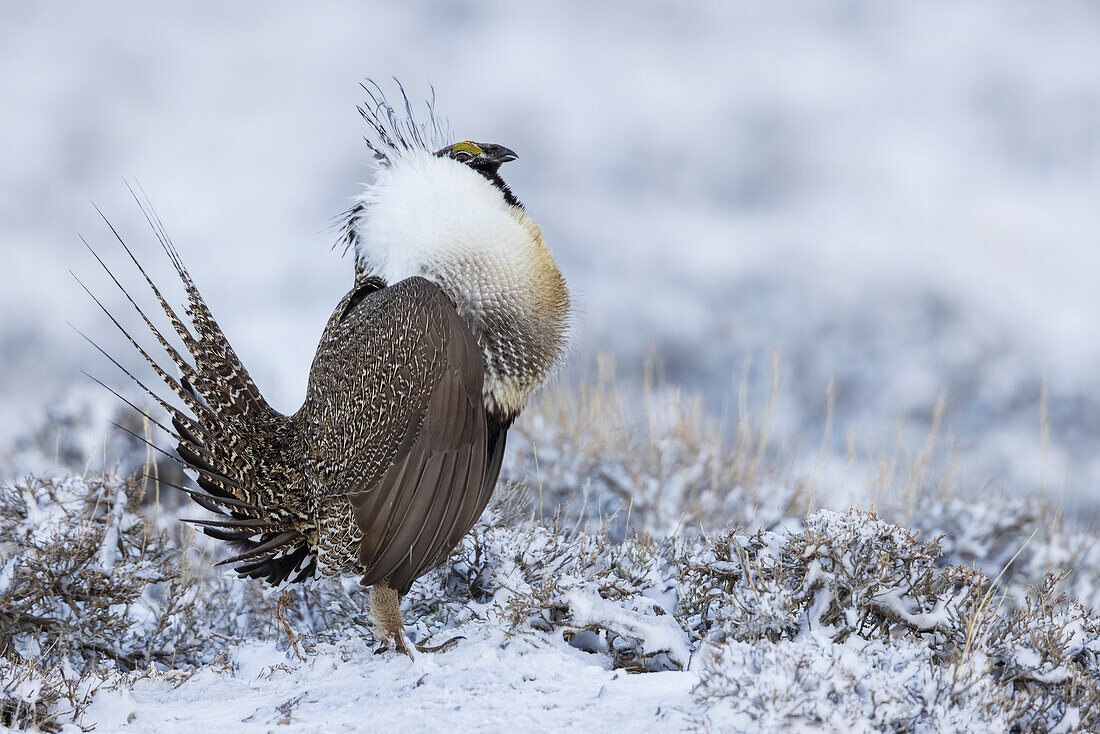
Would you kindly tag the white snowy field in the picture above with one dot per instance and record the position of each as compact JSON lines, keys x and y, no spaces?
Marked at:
{"x":900,"y":197}
{"x":586,"y":598}
{"x":488,"y":683}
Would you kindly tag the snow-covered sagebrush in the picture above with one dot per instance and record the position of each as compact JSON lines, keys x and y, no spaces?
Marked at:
{"x":847,"y":620}
{"x":641,"y":576}
{"x":86,"y":582}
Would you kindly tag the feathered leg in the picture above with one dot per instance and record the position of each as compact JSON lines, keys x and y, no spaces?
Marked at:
{"x":385,"y":611}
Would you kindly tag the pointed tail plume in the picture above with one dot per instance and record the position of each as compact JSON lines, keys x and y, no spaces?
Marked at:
{"x":240,"y":450}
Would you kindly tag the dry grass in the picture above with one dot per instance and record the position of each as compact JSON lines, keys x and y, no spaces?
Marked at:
{"x":662,"y":461}
{"x":648,"y":531}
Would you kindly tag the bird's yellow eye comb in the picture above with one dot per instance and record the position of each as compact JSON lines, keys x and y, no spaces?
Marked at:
{"x":467,"y":146}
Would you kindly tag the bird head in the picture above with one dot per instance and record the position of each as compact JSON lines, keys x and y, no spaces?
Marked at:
{"x":482,"y":157}
{"x":486,"y":159}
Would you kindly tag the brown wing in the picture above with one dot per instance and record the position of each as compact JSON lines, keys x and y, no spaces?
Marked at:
{"x":395,"y":402}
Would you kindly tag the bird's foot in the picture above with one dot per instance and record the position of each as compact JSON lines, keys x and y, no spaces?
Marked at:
{"x":397,"y":644}
{"x":402,"y":644}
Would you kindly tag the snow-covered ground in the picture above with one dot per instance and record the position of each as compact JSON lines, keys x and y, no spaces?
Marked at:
{"x":832,"y":621}
{"x":488,"y":683}
{"x":899,"y":196}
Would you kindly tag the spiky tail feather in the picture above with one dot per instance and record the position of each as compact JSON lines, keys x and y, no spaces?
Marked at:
{"x":225,"y":433}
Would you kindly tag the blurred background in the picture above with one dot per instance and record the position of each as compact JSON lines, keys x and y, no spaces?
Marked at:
{"x":902,"y":199}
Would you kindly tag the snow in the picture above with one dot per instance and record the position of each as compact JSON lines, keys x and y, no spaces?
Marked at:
{"x":7,"y":574}
{"x":835,"y":688}
{"x":841,"y":620}
{"x":658,"y":634}
{"x":488,"y":682}
{"x":109,"y":554}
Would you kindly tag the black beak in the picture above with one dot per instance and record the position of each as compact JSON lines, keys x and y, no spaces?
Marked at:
{"x":498,"y":154}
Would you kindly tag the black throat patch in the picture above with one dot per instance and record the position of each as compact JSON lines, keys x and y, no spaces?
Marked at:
{"x":493,"y":174}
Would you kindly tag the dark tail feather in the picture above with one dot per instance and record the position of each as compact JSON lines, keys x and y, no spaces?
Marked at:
{"x":267,"y":549}
{"x":229,"y":427}
{"x":231,"y":389}
{"x":216,"y":504}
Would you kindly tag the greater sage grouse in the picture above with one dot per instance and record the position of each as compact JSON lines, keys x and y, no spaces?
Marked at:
{"x":458,"y":313}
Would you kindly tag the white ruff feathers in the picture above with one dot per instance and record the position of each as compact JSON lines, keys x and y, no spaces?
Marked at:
{"x":439,"y":219}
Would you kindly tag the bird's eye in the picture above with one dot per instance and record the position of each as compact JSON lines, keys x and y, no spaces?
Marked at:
{"x":462,"y":156}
